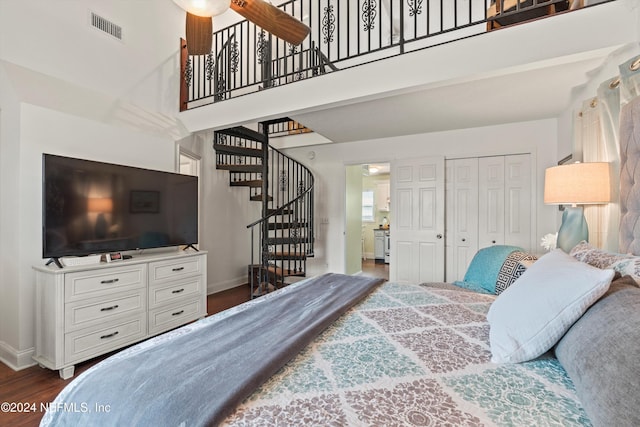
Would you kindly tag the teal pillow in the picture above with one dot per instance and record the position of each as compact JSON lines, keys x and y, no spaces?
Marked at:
{"x":471,"y":287}
{"x":485,"y":267}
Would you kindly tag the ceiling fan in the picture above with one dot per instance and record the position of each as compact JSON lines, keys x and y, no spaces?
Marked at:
{"x":200,"y":13}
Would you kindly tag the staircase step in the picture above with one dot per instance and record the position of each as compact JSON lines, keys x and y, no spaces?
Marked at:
{"x":254,"y":183}
{"x":245,"y":133}
{"x":259,"y":197}
{"x":241,"y":168}
{"x":288,"y":255}
{"x":284,"y":272}
{"x":283,"y":212}
{"x":285,"y":225}
{"x":238,"y":151}
{"x":288,"y":240}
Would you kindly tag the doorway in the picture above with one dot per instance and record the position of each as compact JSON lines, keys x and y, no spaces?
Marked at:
{"x":189,"y":164}
{"x":368,"y":217}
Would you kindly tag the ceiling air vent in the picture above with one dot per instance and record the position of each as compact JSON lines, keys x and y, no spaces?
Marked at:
{"x":107,"y":26}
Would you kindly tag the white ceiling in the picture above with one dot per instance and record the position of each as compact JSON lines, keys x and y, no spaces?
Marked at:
{"x":523,"y":96}
{"x":535,"y":71}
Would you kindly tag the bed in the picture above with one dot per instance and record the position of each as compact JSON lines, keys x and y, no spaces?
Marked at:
{"x":558,"y":346}
{"x":405,"y":354}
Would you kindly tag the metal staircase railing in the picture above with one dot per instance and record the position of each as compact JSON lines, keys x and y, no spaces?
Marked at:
{"x":344,"y":34}
{"x":282,"y":239}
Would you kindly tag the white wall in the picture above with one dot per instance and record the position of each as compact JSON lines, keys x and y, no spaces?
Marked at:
{"x":537,"y":137}
{"x":66,"y":88}
{"x":224,"y":213}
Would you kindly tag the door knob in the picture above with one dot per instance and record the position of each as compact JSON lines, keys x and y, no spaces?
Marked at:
{"x":439,"y":236}
{"x":464,"y":240}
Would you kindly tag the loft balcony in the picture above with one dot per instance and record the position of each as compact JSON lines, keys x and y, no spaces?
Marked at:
{"x":344,"y":34}
{"x":389,"y":47}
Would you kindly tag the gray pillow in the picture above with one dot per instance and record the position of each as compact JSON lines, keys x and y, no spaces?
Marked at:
{"x":600,"y":354}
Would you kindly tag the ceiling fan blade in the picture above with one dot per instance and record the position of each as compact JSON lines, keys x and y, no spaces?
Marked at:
{"x":199,"y":33}
{"x":272,"y":19}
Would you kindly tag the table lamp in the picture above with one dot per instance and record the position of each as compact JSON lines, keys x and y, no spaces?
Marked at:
{"x":576,"y":184}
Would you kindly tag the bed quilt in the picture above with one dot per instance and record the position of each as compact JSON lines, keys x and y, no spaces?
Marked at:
{"x":412,"y":355}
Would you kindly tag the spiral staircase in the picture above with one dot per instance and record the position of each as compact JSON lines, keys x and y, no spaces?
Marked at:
{"x":282,"y":238}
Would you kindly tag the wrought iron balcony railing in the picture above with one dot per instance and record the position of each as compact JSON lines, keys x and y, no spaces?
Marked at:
{"x":344,"y":33}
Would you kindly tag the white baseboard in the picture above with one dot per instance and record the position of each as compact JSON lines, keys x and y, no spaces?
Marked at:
{"x":15,"y":359}
{"x":213,"y":288}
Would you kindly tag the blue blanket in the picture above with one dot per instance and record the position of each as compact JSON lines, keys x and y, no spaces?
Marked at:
{"x":198,"y":374}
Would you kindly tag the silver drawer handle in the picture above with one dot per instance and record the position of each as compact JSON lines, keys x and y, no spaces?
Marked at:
{"x":177,"y":269}
{"x":177,"y":291}
{"x":177,"y":313}
{"x":113,"y":307}
{"x":104,"y":282}
{"x":104,"y":337}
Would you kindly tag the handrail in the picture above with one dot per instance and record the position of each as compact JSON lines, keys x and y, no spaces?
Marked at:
{"x":346,"y":34}
{"x":282,"y":208}
{"x":285,"y":188}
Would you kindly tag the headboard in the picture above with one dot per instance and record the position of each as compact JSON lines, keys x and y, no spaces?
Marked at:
{"x":630,"y":178}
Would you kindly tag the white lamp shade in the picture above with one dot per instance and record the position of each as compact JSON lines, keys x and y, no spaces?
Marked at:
{"x":577,"y":184}
{"x":204,"y":7}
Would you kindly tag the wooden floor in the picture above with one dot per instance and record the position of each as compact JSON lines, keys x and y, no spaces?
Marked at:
{"x":370,"y":268}
{"x":34,"y":387}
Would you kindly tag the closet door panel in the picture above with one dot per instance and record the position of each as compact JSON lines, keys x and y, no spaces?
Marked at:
{"x":491,"y":201}
{"x":462,"y":215}
{"x":518,"y":201}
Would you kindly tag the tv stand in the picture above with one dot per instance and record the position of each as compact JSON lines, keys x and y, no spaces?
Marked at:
{"x":192,"y":247}
{"x":84,"y":311}
{"x":55,"y":260}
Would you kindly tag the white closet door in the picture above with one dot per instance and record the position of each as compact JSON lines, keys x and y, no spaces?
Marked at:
{"x":491,"y":213}
{"x":518,"y":190}
{"x":462,"y":216}
{"x":417,"y":229}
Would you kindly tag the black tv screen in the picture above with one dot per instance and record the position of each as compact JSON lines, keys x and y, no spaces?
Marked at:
{"x":92,"y":207}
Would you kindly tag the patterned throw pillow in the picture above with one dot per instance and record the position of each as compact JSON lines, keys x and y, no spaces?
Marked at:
{"x":595,"y":257}
{"x":625,"y":264}
{"x":511,"y":269}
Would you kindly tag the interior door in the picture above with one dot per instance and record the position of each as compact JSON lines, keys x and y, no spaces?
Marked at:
{"x":417,"y":228}
{"x":518,"y":212}
{"x":491,"y":212}
{"x":461,"y":216}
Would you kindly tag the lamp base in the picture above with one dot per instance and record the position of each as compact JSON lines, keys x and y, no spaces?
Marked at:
{"x":573,"y":229}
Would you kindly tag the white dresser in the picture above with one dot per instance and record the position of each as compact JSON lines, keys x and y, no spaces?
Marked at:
{"x":85,"y":311}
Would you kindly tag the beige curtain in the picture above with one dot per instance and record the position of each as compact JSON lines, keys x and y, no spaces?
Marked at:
{"x":596,"y":139}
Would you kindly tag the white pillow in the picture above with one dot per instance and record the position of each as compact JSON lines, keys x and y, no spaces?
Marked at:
{"x":531,"y":315}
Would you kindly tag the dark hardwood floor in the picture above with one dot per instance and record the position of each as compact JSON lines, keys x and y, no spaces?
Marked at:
{"x":370,"y":268}
{"x":32,"y":388}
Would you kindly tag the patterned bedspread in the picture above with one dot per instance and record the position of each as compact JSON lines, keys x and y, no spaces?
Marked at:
{"x":412,"y":355}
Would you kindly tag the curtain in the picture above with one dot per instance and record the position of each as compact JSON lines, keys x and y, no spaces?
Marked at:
{"x":597,"y":139}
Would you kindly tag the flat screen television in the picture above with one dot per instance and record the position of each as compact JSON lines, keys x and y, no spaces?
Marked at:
{"x":92,"y":207}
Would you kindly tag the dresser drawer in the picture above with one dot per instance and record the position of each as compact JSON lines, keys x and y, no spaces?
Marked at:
{"x":104,"y":281}
{"x":160,"y":271}
{"x":88,"y":312}
{"x":163,"y":319}
{"x":160,"y":294}
{"x":86,"y":343}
